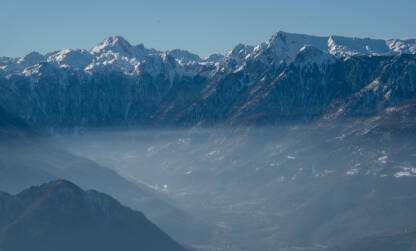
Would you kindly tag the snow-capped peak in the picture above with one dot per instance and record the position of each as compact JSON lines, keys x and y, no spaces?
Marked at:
{"x":241,"y":51}
{"x":287,"y":45}
{"x":75,"y":58}
{"x":31,"y":59}
{"x":402,"y":46}
{"x":115,"y":44}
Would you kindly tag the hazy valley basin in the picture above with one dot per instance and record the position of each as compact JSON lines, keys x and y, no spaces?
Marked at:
{"x":295,"y":185}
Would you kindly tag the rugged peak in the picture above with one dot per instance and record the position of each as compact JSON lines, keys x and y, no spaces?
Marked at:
{"x":240,"y":52}
{"x":241,"y":49}
{"x":214,"y":57}
{"x":281,"y":35}
{"x":114,"y":40}
{"x":114,"y":43}
{"x":60,"y":189}
{"x":183,"y":55}
{"x":60,"y":186}
{"x":32,"y":55}
{"x":32,"y":58}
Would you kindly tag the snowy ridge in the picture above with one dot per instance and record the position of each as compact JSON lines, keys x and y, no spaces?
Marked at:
{"x":116,"y":53}
{"x":288,"y":44}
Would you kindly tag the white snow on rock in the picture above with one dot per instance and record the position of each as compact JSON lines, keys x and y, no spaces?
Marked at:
{"x":406,"y":172}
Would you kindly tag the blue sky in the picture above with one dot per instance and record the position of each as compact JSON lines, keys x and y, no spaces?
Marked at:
{"x":200,"y":26}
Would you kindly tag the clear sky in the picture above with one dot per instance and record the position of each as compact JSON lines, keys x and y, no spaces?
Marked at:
{"x":200,"y":26}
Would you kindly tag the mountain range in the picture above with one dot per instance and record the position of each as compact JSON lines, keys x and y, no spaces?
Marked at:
{"x":289,"y":77}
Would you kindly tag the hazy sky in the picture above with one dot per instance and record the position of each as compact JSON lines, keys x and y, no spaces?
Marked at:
{"x":200,"y":26}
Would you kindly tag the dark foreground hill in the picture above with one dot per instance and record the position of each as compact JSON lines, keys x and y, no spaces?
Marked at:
{"x":61,"y":216}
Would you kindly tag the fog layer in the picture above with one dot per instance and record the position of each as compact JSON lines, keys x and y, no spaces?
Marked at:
{"x":297,"y":185}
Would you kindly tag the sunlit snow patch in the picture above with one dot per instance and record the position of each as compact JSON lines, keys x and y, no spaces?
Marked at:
{"x":353,"y":171}
{"x":383,"y":159}
{"x":406,"y":172}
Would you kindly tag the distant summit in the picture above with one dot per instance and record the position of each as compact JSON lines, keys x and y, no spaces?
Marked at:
{"x":115,"y":44}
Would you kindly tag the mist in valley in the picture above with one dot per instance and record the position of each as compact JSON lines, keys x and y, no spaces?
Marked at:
{"x":303,"y":185}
